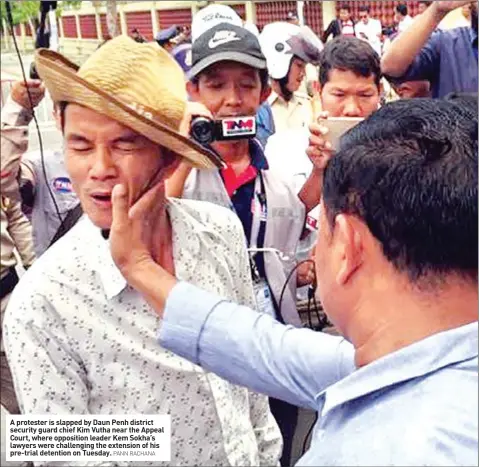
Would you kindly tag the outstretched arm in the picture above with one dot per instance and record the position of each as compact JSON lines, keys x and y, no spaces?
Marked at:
{"x":236,"y":342}
{"x":404,"y":50}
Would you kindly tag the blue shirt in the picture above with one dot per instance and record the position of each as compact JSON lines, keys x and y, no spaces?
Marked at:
{"x":264,"y":123}
{"x":416,"y":406}
{"x":448,"y":61}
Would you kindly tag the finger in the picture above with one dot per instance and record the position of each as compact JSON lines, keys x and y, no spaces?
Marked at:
{"x":320,"y":144}
{"x":198,"y":109}
{"x":317,"y":129}
{"x":119,"y":199}
{"x":34,"y":83}
{"x":323,"y":115}
{"x":152,"y":201}
{"x":317,"y":141}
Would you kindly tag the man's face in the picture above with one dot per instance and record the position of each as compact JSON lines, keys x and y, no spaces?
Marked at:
{"x":349,"y":95}
{"x":422,"y":7}
{"x":364,"y":16}
{"x":344,"y":15}
{"x":101,"y":153}
{"x":229,"y":89}
{"x":297,"y":72}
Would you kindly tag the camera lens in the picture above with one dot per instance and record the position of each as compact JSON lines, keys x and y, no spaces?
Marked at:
{"x":201,"y":130}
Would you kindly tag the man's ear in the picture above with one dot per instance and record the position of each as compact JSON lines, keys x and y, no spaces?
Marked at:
{"x":265,"y":93}
{"x":193,"y":90}
{"x":350,"y":243}
{"x":172,"y":161}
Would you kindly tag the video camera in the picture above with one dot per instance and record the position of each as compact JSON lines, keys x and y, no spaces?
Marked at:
{"x":206,"y":131}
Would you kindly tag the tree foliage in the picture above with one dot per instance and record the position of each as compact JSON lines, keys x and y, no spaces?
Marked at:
{"x":23,"y":11}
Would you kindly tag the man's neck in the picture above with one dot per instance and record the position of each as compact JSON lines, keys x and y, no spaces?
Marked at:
{"x":234,"y":153}
{"x":162,"y":241}
{"x":384,"y":324}
{"x":275,"y":86}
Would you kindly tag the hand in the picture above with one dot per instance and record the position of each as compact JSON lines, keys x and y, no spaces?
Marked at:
{"x":133,"y":231}
{"x":445,"y":7}
{"x":193,"y":109}
{"x":305,"y":274}
{"x":133,"y":228}
{"x":320,"y":149}
{"x":20,"y":95}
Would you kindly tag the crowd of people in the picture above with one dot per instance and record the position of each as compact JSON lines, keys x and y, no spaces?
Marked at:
{"x":165,"y":269}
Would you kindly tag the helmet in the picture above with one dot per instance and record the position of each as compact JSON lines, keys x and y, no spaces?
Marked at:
{"x":251,"y":27}
{"x":281,"y":41}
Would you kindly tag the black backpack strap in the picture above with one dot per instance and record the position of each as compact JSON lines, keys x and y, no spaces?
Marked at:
{"x":68,"y":222}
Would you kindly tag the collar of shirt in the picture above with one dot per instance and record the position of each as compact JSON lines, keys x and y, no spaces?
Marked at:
{"x":419,"y":359}
{"x":276,"y":98}
{"x":258,"y":162}
{"x":111,"y":278}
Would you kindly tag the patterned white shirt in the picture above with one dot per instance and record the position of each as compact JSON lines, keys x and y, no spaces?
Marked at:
{"x":80,"y":340}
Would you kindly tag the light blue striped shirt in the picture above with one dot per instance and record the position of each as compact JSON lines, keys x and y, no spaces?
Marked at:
{"x":416,"y":406}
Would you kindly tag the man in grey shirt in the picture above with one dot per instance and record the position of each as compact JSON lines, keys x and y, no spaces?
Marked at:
{"x":40,"y":181}
{"x":397,"y":274}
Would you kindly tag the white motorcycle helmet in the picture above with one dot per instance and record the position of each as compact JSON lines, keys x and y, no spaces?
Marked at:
{"x":281,"y":41}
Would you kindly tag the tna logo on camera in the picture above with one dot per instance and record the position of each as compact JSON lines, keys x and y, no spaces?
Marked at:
{"x":239,"y":126}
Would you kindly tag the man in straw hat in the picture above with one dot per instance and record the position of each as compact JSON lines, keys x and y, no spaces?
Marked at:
{"x":78,"y":337}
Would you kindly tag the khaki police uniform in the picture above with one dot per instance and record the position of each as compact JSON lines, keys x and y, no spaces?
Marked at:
{"x":294,"y":114}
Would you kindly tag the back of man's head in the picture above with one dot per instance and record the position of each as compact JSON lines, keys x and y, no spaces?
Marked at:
{"x":409,"y":172}
{"x":349,"y":54}
{"x":402,"y":9}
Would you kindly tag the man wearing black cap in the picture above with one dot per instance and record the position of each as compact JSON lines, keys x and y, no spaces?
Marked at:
{"x":229,"y":77}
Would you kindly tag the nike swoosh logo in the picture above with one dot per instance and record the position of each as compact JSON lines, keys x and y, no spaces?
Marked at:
{"x":214,"y":42}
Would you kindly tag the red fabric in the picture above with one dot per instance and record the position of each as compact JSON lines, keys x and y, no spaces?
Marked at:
{"x":233,"y":181}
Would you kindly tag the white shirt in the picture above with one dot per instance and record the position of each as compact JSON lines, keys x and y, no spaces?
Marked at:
{"x":287,"y":158}
{"x":405,"y":23}
{"x":347,"y":28}
{"x":372,"y":30}
{"x":80,"y":340}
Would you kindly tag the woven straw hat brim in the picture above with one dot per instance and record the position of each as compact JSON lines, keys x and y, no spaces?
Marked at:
{"x":64,"y":85}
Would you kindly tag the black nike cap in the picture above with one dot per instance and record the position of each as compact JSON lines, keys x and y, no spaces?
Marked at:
{"x":226,"y":42}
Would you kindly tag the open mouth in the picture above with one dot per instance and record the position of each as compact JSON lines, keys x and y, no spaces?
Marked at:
{"x":103,"y":199}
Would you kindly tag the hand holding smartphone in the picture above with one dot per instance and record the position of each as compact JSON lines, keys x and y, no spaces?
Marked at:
{"x":337,"y":127}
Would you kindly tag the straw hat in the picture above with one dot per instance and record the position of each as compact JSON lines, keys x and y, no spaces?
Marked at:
{"x":138,"y":85}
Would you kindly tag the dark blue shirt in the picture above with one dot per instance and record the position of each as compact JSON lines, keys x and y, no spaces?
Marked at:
{"x":242,"y":200}
{"x":448,"y":61}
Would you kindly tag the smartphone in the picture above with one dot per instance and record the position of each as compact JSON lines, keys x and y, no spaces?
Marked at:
{"x":338,"y":126}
